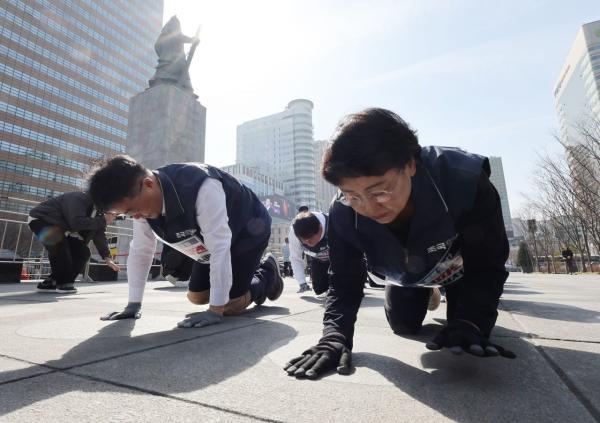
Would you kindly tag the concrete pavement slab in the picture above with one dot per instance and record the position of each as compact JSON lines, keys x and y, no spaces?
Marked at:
{"x":578,"y":364}
{"x":64,"y":331}
{"x":62,"y":397}
{"x":397,"y":373}
{"x":555,"y":306}
{"x":235,"y":367}
{"x":16,"y":369}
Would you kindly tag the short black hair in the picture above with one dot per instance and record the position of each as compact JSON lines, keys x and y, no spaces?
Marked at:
{"x":305,"y":225}
{"x":302,"y":209}
{"x":115,"y":180}
{"x":369,"y":143}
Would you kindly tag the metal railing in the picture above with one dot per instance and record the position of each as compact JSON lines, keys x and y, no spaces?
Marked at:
{"x":19,"y":244}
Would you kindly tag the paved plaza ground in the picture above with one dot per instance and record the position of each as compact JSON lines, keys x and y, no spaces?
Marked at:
{"x":59,"y":362}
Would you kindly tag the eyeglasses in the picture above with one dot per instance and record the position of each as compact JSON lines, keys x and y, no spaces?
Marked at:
{"x":380,"y":197}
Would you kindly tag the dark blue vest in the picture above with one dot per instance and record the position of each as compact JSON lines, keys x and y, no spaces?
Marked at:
{"x":443,"y":188}
{"x":249,"y":221}
{"x":321,"y":250}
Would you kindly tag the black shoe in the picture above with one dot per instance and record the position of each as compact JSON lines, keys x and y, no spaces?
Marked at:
{"x":66,"y":289}
{"x":48,"y":285}
{"x":303,"y":288}
{"x":275,"y":285}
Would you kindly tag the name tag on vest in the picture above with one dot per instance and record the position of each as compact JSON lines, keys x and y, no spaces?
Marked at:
{"x":322,"y":255}
{"x":447,"y":270}
{"x":192,"y":247}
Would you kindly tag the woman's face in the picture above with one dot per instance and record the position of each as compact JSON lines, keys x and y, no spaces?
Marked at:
{"x":381,"y":198}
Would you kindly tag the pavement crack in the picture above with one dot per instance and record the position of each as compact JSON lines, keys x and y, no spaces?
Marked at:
{"x":50,"y":370}
{"x":54,"y":369}
{"x":173,"y":397}
{"x":589,"y":406}
{"x":562,"y":375}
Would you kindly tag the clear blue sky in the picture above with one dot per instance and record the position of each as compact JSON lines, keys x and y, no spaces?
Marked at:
{"x":475,"y":74}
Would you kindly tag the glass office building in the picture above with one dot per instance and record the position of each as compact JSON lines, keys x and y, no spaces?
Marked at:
{"x":67,"y":71}
{"x":497,"y":179}
{"x":282,"y":146}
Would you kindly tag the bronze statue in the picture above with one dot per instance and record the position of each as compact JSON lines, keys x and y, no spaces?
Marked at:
{"x":173,"y":65}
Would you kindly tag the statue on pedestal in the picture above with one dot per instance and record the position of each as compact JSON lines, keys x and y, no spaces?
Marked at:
{"x":173,"y":65}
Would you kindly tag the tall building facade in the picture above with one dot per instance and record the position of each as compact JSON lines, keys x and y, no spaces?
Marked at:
{"x":281,"y":146}
{"x":497,"y":179}
{"x":324,"y":191}
{"x":67,"y":71}
{"x":577,"y":91}
{"x":260,"y":184}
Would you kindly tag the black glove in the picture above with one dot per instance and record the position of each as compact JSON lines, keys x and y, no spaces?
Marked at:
{"x":331,"y":352}
{"x":461,"y":335}
{"x":132,"y":311}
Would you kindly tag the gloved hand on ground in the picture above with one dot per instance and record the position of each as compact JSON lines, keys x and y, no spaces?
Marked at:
{"x":463,"y":336}
{"x":132,"y":311}
{"x":198,"y":320}
{"x":331,"y":352}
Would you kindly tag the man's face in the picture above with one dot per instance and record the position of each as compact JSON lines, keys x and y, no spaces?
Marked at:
{"x":381,"y":198}
{"x":147,"y":204}
{"x":312,"y":240}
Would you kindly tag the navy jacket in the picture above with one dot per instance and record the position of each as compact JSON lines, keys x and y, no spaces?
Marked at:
{"x":249,"y":221}
{"x":457,"y":221}
{"x":72,"y":212}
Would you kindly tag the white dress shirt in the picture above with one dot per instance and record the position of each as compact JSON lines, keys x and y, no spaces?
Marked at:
{"x":211,"y":215}
{"x":296,"y":249}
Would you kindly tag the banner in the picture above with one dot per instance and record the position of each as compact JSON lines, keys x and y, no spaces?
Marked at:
{"x":279,"y":206}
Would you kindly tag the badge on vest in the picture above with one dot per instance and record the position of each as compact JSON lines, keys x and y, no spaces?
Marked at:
{"x":192,"y":247}
{"x":322,"y":255}
{"x":447,"y":270}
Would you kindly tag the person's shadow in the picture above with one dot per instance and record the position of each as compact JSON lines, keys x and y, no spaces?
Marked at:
{"x":177,"y":363}
{"x":519,"y":292}
{"x":466,"y":388}
{"x":551,"y":311}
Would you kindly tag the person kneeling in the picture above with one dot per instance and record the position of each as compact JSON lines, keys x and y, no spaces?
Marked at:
{"x":202,"y":212}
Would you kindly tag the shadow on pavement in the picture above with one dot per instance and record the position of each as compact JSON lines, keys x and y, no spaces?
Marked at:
{"x":45,"y":297}
{"x":185,"y":370}
{"x":519,"y":292}
{"x":312,"y":299}
{"x":369,"y":301}
{"x":457,"y":386}
{"x":551,"y":311}
{"x":171,"y":288}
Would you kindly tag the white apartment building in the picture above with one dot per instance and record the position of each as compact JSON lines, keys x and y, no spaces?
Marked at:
{"x":577,"y":91}
{"x":281,"y":147}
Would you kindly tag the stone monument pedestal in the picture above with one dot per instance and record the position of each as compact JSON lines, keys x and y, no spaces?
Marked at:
{"x":166,"y":125}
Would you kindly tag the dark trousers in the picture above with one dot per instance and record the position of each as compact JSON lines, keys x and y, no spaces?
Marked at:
{"x":405,"y":308}
{"x":319,"y":275}
{"x":247,"y":274}
{"x":67,"y":255}
{"x":287,"y":268}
